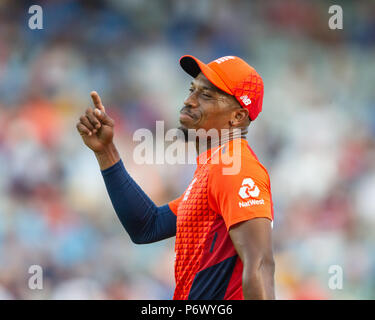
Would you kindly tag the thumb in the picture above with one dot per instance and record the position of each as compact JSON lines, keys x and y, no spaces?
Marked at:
{"x":103,"y":117}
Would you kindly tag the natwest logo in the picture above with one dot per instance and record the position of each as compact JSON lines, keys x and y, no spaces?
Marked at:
{"x":248,"y":189}
{"x":251,"y":202}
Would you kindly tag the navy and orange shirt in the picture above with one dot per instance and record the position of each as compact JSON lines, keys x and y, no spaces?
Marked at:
{"x":220,"y":195}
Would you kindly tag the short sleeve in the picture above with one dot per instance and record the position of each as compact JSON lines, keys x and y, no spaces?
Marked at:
{"x":243,"y":196}
{"x":173,"y":205}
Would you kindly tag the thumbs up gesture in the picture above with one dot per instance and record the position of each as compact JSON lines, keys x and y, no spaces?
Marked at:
{"x":95,"y":126}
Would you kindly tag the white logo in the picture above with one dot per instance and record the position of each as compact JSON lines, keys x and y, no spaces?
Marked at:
{"x":36,"y":280}
{"x":335,"y":281}
{"x":248,"y":189}
{"x":223,"y":59}
{"x":36,"y":20}
{"x":251,"y":202}
{"x":245,"y":100}
{"x":336,"y":21}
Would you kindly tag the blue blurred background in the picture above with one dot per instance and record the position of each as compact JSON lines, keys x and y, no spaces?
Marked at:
{"x":315,"y":136}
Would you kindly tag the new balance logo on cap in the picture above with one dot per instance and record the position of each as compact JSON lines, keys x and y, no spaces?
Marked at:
{"x":223,"y":59}
{"x":245,"y":100}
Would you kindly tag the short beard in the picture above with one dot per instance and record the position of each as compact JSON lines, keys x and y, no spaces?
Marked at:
{"x":191,"y":135}
{"x":185,"y":131}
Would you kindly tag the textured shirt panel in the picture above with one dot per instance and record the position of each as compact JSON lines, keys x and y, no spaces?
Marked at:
{"x":194,"y":221}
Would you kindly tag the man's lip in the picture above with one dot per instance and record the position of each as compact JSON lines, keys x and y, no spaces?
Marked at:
{"x":185,"y":114}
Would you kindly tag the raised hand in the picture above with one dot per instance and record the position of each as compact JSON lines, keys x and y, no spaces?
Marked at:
{"x":95,"y":126}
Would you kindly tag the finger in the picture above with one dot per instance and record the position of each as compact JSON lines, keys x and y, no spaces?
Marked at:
{"x":86,"y":122}
{"x":82,"y":129}
{"x":104,"y":118}
{"x":92,"y":118}
{"x":97,"y":101}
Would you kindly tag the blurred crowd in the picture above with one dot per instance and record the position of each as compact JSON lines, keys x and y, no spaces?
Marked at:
{"x":316,"y":137}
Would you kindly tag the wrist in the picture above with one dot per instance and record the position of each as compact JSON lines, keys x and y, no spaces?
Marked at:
{"x":107,"y":157}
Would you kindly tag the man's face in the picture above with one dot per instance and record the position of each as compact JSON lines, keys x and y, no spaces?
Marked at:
{"x":206,"y":106}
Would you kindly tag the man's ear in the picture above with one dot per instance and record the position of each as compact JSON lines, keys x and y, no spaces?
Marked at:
{"x":240,"y":117}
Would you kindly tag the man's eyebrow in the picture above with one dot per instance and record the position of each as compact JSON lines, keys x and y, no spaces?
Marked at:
{"x":214,"y":89}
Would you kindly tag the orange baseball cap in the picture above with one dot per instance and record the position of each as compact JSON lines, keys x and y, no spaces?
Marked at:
{"x":232,"y":75}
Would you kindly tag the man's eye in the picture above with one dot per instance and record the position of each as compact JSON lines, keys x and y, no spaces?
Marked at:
{"x":206,"y":95}
{"x":191,"y":90}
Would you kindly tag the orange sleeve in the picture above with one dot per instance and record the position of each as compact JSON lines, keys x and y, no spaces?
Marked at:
{"x":173,"y":205}
{"x":243,"y":196}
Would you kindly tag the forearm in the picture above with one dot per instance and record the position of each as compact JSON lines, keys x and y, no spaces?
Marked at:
{"x":258,"y":283}
{"x":141,"y":218}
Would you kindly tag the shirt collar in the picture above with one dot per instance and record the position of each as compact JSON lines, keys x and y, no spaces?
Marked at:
{"x":207,"y":155}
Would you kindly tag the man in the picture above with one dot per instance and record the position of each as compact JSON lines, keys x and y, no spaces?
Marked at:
{"x":222,"y":222}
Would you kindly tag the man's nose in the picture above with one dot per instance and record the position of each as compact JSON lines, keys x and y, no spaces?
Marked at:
{"x":191,"y":101}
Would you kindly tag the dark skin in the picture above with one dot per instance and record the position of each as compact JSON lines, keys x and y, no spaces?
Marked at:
{"x":206,"y":107}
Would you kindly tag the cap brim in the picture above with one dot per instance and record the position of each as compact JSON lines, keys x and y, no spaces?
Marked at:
{"x":194,"y":66}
